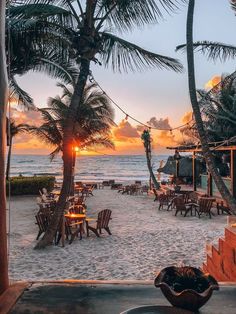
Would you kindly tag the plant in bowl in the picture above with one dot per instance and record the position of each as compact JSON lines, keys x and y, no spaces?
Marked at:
{"x":186,"y":287}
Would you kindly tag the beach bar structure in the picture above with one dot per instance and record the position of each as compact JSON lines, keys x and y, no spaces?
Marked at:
{"x":207,"y":183}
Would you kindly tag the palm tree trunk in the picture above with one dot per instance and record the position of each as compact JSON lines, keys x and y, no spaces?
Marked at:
{"x":9,"y":159}
{"x":231,"y":202}
{"x":154,"y":180}
{"x":68,"y":159}
{"x":4,"y":282}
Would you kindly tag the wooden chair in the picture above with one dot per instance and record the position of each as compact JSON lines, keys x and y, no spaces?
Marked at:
{"x":193,"y":197}
{"x":223,"y":208}
{"x":145,"y":189}
{"x":205,"y":205}
{"x":102,"y":222}
{"x":77,"y":209}
{"x":182,"y":207}
{"x":164,"y":200}
{"x":72,"y":230}
{"x":42,"y":220}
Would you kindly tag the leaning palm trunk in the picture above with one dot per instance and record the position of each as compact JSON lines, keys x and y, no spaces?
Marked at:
{"x":68,"y":160}
{"x":3,"y":102}
{"x":153,"y":178}
{"x":147,"y":144}
{"x":9,"y":159}
{"x":197,"y":114}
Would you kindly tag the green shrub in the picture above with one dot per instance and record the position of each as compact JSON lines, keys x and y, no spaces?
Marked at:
{"x":30,"y":185}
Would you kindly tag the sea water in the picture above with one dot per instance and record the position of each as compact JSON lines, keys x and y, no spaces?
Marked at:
{"x":89,"y":168}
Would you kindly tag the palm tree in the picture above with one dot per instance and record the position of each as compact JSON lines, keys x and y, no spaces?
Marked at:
{"x":89,"y":40}
{"x":93,"y":122}
{"x":4,"y":282}
{"x":146,"y":138}
{"x":215,"y":50}
{"x":14,"y":129}
{"x":197,"y":114}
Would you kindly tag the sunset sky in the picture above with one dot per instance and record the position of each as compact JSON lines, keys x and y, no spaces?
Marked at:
{"x":158,"y":94}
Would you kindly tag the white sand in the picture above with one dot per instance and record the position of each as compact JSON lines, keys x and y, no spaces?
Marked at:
{"x":143,"y":241}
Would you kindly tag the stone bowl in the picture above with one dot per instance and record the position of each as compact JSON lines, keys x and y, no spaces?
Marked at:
{"x":188,"y":299}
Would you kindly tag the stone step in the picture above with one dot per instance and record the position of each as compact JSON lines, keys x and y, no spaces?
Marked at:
{"x":230,"y":236}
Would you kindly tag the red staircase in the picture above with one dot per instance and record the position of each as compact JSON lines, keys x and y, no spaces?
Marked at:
{"x":221,"y":260}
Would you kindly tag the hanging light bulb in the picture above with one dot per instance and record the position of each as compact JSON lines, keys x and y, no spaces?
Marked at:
{"x":127,"y":117}
{"x":171,"y":132}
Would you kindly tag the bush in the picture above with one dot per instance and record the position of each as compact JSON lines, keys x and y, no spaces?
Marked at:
{"x":30,"y":185}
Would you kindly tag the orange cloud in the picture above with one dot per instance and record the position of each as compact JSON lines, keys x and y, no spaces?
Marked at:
{"x":125,"y":132}
{"x":187,"y":117}
{"x":31,"y":117}
{"x":164,"y":138}
{"x":213,"y":82}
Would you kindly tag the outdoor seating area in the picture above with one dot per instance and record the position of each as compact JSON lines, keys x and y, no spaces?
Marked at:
{"x":189,"y":202}
{"x":76,"y":220}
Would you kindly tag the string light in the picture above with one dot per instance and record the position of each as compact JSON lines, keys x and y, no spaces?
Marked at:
{"x":91,"y":77}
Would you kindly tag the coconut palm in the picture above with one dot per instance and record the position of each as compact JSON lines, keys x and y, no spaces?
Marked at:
{"x":93,"y":122}
{"x":89,"y":40}
{"x":197,"y":114}
{"x":14,"y":130}
{"x":146,"y":138}
{"x":4,"y":282}
{"x":219,"y":109}
{"x":215,"y":50}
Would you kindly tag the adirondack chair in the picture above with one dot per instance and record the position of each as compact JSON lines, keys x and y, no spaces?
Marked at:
{"x":77,"y":209}
{"x":72,"y":230}
{"x":182,"y":207}
{"x":164,"y":200}
{"x":205,"y":205}
{"x":42,"y":220}
{"x":223,"y":208}
{"x":102,"y":222}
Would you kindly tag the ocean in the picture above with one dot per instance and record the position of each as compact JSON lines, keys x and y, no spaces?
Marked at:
{"x":88,"y":168}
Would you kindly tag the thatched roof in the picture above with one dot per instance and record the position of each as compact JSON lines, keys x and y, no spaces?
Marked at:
{"x":185,"y":166}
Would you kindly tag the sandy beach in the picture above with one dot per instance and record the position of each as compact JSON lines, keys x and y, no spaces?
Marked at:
{"x":143,"y":241}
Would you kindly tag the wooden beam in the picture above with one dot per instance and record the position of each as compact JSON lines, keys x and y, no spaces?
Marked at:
{"x":195,"y":149}
{"x":194,"y":172}
{"x":4,"y":281}
{"x":11,"y":295}
{"x":233,"y":172}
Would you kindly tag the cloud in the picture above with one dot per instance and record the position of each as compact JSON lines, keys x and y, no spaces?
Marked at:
{"x":213,"y":82}
{"x":160,"y":124}
{"x":187,"y":117}
{"x":164,"y":138}
{"x":125,"y":132}
{"x":31,"y":117}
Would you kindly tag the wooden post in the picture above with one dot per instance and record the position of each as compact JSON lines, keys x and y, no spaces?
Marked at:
{"x":233,"y":172}
{"x":4,"y":281}
{"x":209,"y":184}
{"x":63,"y":231}
{"x":177,"y":168}
{"x":194,"y":172}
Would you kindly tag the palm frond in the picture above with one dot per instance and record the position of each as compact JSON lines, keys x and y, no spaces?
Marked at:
{"x":54,"y":153}
{"x":123,"y":55}
{"x":125,"y":14}
{"x":22,"y":97}
{"x":213,"y":50}
{"x":47,"y":11}
{"x":233,"y":5}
